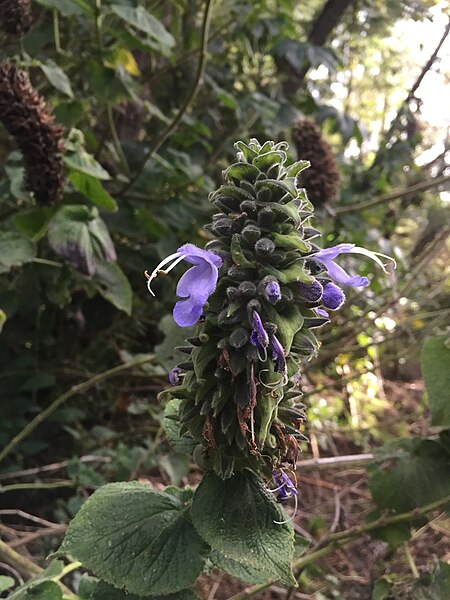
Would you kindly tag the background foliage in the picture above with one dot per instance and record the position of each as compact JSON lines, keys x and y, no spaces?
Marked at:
{"x":152,"y":96}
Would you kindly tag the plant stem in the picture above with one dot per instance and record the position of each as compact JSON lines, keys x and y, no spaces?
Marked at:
{"x":203,"y":54}
{"x":394,"y":195}
{"x":344,"y":537}
{"x":56,"y":32}
{"x":410,"y":561}
{"x":76,"y":389}
{"x":116,"y":139}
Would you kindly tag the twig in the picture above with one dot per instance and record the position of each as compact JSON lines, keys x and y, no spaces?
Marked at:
{"x":334,"y":461}
{"x":40,"y":485}
{"x":23,"y":541}
{"x":52,"y":467}
{"x":344,"y":537}
{"x":76,"y":389}
{"x":186,"y":103}
{"x":394,"y":195}
{"x":28,"y":516}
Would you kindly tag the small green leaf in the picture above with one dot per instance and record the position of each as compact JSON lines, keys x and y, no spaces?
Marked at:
{"x":68,"y":8}
{"x":435,"y":359}
{"x":40,"y":587}
{"x":91,"y":187}
{"x":136,"y":538}
{"x":6,"y":582}
{"x":15,"y":250}
{"x":3,"y":319}
{"x":297,"y":167}
{"x":80,"y":160}
{"x":141,"y":19}
{"x":34,"y":223}
{"x":114,"y":286}
{"x":57,"y":78}
{"x":237,"y":517}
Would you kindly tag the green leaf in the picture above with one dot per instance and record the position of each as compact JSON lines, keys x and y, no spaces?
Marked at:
{"x":91,"y":187}
{"x":34,"y":223}
{"x":78,"y":159}
{"x":436,"y":589}
{"x":237,"y":518}
{"x":40,"y":587}
{"x":114,"y":286}
{"x":136,"y":538}
{"x":105,"y":591}
{"x":297,"y":167}
{"x":6,"y":582}
{"x":68,"y":8}
{"x":180,"y":443}
{"x":435,"y":358}
{"x":57,"y":78}
{"x":408,"y":473}
{"x":141,"y":19}
{"x":238,"y":569}
{"x":15,"y":250}
{"x":78,"y":234}
{"x":3,"y":319}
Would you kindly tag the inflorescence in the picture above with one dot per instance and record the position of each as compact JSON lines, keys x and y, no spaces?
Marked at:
{"x":255,"y":294}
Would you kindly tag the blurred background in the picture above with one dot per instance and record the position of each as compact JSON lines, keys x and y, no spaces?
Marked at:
{"x":148,"y":98}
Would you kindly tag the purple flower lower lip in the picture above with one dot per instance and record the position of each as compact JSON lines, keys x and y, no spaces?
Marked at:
{"x":196,"y":285}
{"x":327,"y":256}
{"x":278,"y":354}
{"x":259,"y":336}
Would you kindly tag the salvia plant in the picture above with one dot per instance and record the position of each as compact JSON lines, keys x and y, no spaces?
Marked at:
{"x":255,"y":294}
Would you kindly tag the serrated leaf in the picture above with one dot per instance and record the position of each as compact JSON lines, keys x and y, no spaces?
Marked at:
{"x":114,"y":286}
{"x":237,"y":518}
{"x":435,"y":358}
{"x":237,"y":569}
{"x":15,"y":250}
{"x":180,"y":443}
{"x":408,"y":473}
{"x":142,"y":20}
{"x":57,"y":78}
{"x":136,"y":538}
{"x":78,"y":234}
{"x":92,"y":188}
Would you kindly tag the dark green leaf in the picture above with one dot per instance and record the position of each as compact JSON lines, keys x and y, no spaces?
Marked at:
{"x":141,"y":19}
{"x":33,"y":223}
{"x":114,"y":286}
{"x":136,"y":538}
{"x":78,"y":234}
{"x":92,"y":188}
{"x":15,"y":250}
{"x":180,"y":443}
{"x":57,"y":78}
{"x":435,"y":359}
{"x":408,"y":473}
{"x":238,"y":518}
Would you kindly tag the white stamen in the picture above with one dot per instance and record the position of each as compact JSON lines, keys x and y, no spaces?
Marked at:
{"x":292,"y":516}
{"x":176,"y":257}
{"x":374,"y":256}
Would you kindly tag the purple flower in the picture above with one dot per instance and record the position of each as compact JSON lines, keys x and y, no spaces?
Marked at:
{"x":311,"y":292}
{"x":321,"y":313}
{"x":278,"y":354}
{"x":196,"y":285}
{"x":327,"y":256}
{"x":284,"y":485}
{"x":333,"y":297}
{"x":272,"y":292}
{"x":175,"y":377}
{"x":259,"y":336}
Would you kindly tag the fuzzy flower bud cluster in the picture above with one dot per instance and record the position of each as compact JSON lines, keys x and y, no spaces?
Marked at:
{"x":256,"y":292}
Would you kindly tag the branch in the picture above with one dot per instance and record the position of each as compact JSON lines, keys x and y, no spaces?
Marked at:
{"x":335,"y":540}
{"x":333,"y":461}
{"x":76,"y":389}
{"x":394,"y":195}
{"x":203,"y":54}
{"x":323,"y":25}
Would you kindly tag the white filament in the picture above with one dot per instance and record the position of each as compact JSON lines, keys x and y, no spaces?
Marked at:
{"x":176,"y":258}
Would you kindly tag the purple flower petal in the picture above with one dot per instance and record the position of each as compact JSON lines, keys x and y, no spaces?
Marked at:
{"x":333,"y":297}
{"x":327,"y":254}
{"x":278,"y":354}
{"x":338,"y":274}
{"x":198,"y":256}
{"x":321,"y":312}
{"x":259,"y":334}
